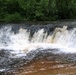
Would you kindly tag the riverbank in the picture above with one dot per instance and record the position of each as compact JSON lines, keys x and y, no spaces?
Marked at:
{"x":35,"y":25}
{"x":38,"y":22}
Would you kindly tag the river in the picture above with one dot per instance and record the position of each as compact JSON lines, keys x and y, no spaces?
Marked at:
{"x":38,"y":49}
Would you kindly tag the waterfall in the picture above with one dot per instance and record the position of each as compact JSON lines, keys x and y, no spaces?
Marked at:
{"x":21,"y":42}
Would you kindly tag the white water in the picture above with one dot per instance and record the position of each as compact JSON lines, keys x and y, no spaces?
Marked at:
{"x":2,"y":70}
{"x":61,"y":39}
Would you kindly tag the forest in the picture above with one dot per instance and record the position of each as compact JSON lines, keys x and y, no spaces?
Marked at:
{"x":37,"y":10}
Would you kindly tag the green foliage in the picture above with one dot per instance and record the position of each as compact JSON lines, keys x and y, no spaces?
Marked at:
{"x":13,"y":17}
{"x":3,"y":4}
{"x":17,"y":10}
{"x":66,"y":9}
{"x":13,"y":6}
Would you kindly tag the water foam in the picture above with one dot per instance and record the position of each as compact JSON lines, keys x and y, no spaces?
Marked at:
{"x":21,"y":42}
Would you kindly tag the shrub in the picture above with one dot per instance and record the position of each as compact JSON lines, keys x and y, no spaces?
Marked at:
{"x":13,"y":17}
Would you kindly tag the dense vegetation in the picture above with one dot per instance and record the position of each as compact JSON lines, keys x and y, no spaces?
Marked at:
{"x":40,"y":10}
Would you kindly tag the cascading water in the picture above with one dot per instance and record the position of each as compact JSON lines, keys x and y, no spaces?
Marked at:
{"x":21,"y":42}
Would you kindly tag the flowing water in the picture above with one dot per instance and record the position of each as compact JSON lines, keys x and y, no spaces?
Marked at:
{"x":37,"y":50}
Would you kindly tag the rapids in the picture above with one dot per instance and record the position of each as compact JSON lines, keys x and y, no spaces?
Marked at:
{"x":20,"y":44}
